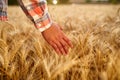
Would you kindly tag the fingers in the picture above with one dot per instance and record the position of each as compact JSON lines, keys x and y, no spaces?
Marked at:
{"x":64,"y":45}
{"x":57,"y":39}
{"x":68,"y":41}
{"x":55,"y":47}
{"x":60,"y":46}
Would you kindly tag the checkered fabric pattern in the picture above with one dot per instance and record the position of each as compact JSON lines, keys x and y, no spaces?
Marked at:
{"x":3,"y":16}
{"x":36,"y":10}
{"x":3,"y":9}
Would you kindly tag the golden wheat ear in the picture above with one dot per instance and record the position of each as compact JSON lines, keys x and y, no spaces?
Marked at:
{"x":6,"y":29}
{"x":5,"y":37}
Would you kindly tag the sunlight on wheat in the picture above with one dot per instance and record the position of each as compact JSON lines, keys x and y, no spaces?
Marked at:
{"x":95,"y":34}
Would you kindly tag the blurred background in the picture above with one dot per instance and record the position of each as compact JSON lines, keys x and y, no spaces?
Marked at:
{"x":93,"y":26}
{"x":14,"y":2}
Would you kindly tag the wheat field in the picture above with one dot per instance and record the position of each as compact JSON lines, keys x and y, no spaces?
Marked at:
{"x":93,"y":29}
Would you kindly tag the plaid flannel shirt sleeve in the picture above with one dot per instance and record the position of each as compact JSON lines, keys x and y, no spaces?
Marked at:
{"x":3,"y":10}
{"x":37,"y":11}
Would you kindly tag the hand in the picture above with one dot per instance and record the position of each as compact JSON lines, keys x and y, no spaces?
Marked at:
{"x":57,"y":39}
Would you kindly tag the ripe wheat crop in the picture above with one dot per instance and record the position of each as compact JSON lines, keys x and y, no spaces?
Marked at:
{"x":95,"y":34}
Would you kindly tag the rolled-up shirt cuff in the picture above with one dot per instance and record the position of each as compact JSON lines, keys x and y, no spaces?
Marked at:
{"x":45,"y":27}
{"x":43,"y":23}
{"x":3,"y":16}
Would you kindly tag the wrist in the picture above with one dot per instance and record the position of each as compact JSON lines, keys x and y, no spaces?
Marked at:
{"x":42,"y":29}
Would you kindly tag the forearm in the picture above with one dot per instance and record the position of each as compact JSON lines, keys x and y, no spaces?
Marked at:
{"x":37,"y":11}
{"x":3,"y":10}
